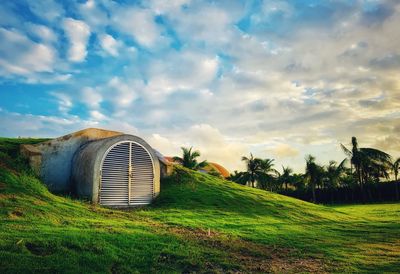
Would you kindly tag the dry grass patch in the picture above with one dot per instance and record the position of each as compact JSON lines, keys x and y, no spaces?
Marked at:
{"x":252,"y":257}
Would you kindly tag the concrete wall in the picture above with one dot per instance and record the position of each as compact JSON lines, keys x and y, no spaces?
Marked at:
{"x":52,"y":159}
{"x":34,"y":156}
{"x":166,"y":167}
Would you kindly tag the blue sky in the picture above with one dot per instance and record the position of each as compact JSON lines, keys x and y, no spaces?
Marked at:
{"x":281,"y":79}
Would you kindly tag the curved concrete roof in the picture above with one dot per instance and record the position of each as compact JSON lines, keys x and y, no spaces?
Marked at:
{"x":88,"y":133}
{"x":224,"y":172}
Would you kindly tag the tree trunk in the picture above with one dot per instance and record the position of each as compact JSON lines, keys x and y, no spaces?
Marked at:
{"x":352,"y":194}
{"x":396,"y":185}
{"x":379,"y":192}
{"x":313,"y":192}
{"x":360,"y":180}
{"x":368,"y":188}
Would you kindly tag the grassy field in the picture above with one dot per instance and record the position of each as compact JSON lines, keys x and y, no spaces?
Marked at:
{"x":198,"y":224}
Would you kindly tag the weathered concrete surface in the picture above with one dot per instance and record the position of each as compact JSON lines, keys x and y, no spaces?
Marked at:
{"x":166,"y":167}
{"x":52,"y":159}
{"x":86,"y":165}
{"x":34,"y":156}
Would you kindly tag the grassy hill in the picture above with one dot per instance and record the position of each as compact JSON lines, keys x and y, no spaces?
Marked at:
{"x":198,"y":224}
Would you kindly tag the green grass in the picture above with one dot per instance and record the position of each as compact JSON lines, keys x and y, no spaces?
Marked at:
{"x":198,"y":224}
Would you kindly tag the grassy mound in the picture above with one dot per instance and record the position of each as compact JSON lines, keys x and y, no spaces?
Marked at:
{"x":199,"y":223}
{"x":355,"y":238}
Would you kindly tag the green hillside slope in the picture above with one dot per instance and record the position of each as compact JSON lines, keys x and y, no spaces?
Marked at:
{"x":198,"y":224}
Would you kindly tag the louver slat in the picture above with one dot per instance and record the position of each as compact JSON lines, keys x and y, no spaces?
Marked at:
{"x":114,"y":178}
{"x":142,"y":176}
{"x":127,"y":164}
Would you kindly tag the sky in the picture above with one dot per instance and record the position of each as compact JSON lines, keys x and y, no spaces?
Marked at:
{"x":280,"y":79}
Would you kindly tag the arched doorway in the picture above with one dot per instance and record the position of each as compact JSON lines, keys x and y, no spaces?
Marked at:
{"x":127,"y":175}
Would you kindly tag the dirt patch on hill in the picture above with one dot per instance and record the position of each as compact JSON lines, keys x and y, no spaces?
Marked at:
{"x":15,"y":214}
{"x":39,"y":249}
{"x":251,"y":257}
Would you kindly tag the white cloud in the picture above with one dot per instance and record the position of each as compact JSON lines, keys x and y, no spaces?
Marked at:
{"x":21,"y":56}
{"x":389,"y":143}
{"x":186,"y":70}
{"x":93,"y":15}
{"x":13,"y":124}
{"x":27,"y":125}
{"x":284,"y":151}
{"x":78,"y":33}
{"x":48,"y":78}
{"x":206,"y":23}
{"x":167,"y":7}
{"x":91,"y":97}
{"x":109,"y":44}
{"x":270,"y":8}
{"x":120,"y":93}
{"x":140,"y":23}
{"x":47,"y":9}
{"x":45,"y":34}
{"x":122,"y":126}
{"x":97,"y":116}
{"x":163,"y":145}
{"x":212,"y":144}
{"x":64,"y":102}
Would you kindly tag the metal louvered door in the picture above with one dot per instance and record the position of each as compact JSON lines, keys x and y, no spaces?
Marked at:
{"x":127,"y":176}
{"x":115,"y":176}
{"x":142,"y":176}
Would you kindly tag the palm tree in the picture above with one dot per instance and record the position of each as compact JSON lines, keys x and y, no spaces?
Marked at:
{"x":286,"y":177}
{"x":269,"y":174}
{"x":298,"y":181}
{"x":374,"y":170}
{"x":253,"y":171}
{"x":312,"y":174}
{"x":369,"y":163}
{"x":237,"y":177}
{"x":189,"y":159}
{"x":334,"y":173}
{"x":395,"y":166}
{"x":355,"y":158}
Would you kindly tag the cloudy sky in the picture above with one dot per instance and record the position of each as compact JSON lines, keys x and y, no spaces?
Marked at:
{"x":281,"y":79}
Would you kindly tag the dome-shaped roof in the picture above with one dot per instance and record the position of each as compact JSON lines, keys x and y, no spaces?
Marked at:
{"x":224,"y":172}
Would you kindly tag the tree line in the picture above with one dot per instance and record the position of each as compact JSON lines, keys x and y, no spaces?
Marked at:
{"x":363,"y":176}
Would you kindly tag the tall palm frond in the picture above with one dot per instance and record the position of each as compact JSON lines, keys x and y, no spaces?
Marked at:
{"x":369,"y":163}
{"x":286,"y":176}
{"x":258,"y":172}
{"x":312,"y":173}
{"x":189,"y":159}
